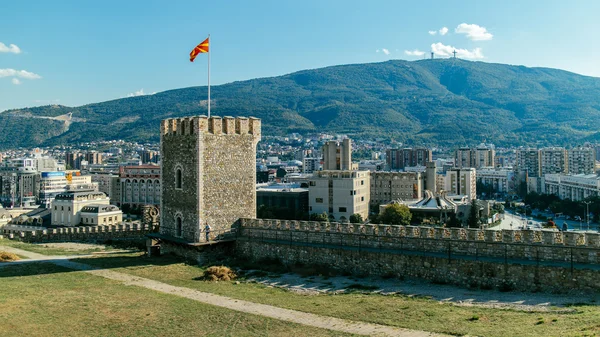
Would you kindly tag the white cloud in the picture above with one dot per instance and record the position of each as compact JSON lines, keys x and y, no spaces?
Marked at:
{"x":443,"y":30}
{"x":16,"y":81}
{"x":385,"y":51}
{"x":415,"y":52}
{"x":432,"y":32}
{"x":439,"y":49}
{"x":7,"y":72}
{"x":11,"y":48}
{"x":140,"y":93}
{"x":474,"y":32}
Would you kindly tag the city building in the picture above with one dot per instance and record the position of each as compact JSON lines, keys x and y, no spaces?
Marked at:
{"x":339,"y":194}
{"x":284,"y":196}
{"x":480,"y":156}
{"x":109,"y":184}
{"x":553,"y":160}
{"x":462,"y":182}
{"x":337,"y":155}
{"x":100,"y":214}
{"x":93,"y":158}
{"x":149,"y":157}
{"x":73,"y":160}
{"x":529,"y":160}
{"x":59,"y":182}
{"x":139,"y":185}
{"x":19,"y":186}
{"x":575,"y":187}
{"x":310,"y":165}
{"x":66,"y":207}
{"x":502,"y":180}
{"x":399,"y":159}
{"x":388,"y":186}
{"x":208,"y":175}
{"x":582,"y":160}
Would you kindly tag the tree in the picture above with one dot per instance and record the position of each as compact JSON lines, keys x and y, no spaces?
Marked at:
{"x":473,"y":220}
{"x":453,"y":222}
{"x":319,"y":217}
{"x":395,"y":214}
{"x":356,"y":218}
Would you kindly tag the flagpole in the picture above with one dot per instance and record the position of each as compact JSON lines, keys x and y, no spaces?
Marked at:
{"x":209,"y":48}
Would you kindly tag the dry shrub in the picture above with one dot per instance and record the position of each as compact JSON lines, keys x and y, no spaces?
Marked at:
{"x":6,"y":257}
{"x":219,"y":273}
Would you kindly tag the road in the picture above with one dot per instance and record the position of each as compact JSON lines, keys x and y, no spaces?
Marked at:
{"x":513,"y":221}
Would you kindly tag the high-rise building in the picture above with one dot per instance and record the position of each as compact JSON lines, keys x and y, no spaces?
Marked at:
{"x":582,"y":160}
{"x":208,"y":171}
{"x":399,"y":159}
{"x":310,"y":165}
{"x":480,"y":156}
{"x":93,"y":158}
{"x":337,"y":156}
{"x":140,"y":185}
{"x":149,"y":156}
{"x":73,"y":160}
{"x":501,"y":180}
{"x":553,"y":160}
{"x":339,"y":194}
{"x":529,"y":160}
{"x":462,"y":182}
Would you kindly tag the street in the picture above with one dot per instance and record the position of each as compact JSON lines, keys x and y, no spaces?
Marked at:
{"x":513,"y":221}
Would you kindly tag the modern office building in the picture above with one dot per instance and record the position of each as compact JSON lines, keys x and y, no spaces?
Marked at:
{"x":462,"y":182}
{"x":339,"y":194}
{"x":310,"y":165}
{"x":388,"y":186}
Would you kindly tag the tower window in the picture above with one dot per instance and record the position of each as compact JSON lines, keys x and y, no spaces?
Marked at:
{"x":178,"y":179}
{"x":179,"y":227}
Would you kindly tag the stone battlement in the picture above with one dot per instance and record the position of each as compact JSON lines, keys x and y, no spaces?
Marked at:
{"x":526,"y":237}
{"x":213,"y":125}
{"x":80,"y":234}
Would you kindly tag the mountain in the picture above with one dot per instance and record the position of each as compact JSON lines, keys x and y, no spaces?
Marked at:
{"x":441,"y":101}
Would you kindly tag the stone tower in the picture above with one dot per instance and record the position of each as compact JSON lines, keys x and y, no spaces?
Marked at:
{"x":208,"y":174}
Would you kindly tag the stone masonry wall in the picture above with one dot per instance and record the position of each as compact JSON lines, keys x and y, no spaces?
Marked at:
{"x":81,"y":234}
{"x":217,"y":157}
{"x":526,"y":260}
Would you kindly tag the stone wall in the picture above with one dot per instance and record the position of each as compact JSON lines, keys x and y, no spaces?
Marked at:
{"x":527,"y":260}
{"x":81,"y":234}
{"x":217,"y":159}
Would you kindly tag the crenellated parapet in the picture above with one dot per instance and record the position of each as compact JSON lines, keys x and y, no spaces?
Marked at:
{"x":214,"y":125}
{"x":81,"y":234}
{"x":525,"y":237}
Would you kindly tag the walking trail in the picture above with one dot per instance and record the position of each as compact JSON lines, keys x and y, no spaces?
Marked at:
{"x":287,"y":315}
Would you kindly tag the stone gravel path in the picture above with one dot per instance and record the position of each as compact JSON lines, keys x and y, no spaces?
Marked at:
{"x":287,"y":315}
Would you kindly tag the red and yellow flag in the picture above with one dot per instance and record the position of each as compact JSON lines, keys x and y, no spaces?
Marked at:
{"x":201,"y":48}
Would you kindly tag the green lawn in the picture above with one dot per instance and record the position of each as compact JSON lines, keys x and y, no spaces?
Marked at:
{"x":42,"y":248}
{"x":401,"y":311}
{"x":42,"y":299}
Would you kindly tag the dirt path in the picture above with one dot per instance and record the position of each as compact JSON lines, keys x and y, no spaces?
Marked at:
{"x":287,"y":315}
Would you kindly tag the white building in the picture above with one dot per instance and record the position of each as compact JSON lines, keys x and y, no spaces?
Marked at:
{"x":502,"y":180}
{"x":575,"y":187}
{"x":339,"y":194}
{"x":462,"y":182}
{"x":98,"y":214}
{"x":66,"y":207}
{"x":54,"y":183}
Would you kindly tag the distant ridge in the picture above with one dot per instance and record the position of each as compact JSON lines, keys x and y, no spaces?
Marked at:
{"x":431,"y":102}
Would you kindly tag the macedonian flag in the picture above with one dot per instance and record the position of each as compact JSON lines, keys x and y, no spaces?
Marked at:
{"x":201,"y":48}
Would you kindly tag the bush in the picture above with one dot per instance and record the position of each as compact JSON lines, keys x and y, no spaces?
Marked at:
{"x":6,"y":257}
{"x":218,"y":273}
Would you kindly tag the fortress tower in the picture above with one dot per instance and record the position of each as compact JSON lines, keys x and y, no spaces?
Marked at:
{"x":208,"y":174}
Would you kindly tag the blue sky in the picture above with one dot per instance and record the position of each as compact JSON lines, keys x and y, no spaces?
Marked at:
{"x":79,"y":52}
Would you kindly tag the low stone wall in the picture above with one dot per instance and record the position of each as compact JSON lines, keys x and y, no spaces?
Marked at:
{"x":462,"y":272}
{"x":81,"y":234}
{"x":571,"y":247}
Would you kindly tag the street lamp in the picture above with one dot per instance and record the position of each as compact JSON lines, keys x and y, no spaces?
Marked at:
{"x":587,"y":213}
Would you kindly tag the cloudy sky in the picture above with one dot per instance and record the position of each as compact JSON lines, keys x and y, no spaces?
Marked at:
{"x":78,"y":52}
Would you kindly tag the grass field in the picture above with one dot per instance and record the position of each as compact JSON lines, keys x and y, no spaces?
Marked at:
{"x":42,"y":299}
{"x":51,"y":249}
{"x":397,"y":310}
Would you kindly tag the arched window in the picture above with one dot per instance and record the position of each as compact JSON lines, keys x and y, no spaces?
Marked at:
{"x":179,"y":227}
{"x":178,"y":178}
